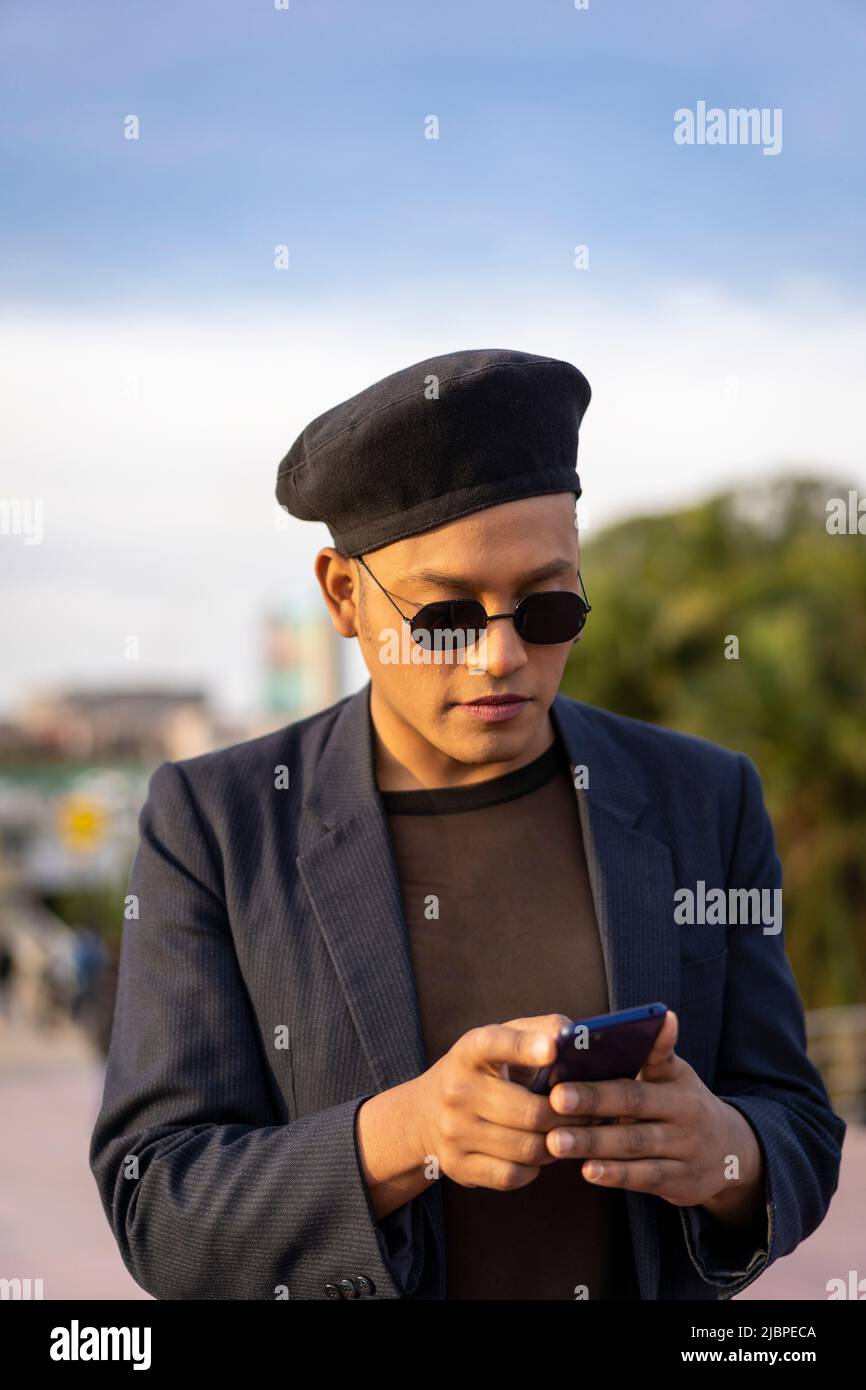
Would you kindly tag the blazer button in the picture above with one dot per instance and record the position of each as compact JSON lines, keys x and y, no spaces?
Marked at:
{"x":332,"y":1291}
{"x":347,"y":1288}
{"x":364,"y":1284}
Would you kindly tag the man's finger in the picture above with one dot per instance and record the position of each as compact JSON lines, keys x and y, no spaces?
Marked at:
{"x":643,"y":1175}
{"x":480,"y":1170}
{"x":651,"y":1140}
{"x":541,"y":1023}
{"x":496,"y":1043}
{"x":640,"y":1100}
{"x":512,"y":1105}
{"x":513,"y":1145}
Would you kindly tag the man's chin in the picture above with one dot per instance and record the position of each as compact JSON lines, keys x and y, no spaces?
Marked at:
{"x":470,"y":738}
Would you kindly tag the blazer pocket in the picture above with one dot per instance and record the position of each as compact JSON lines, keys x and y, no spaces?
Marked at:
{"x":702,"y":979}
{"x":702,"y":998}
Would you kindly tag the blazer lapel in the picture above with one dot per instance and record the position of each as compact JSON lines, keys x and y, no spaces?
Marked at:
{"x":631,"y":878}
{"x":348,"y":870}
{"x":631,"y":873}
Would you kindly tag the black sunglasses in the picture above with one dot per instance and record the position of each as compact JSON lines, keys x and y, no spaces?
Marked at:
{"x":541,"y":619}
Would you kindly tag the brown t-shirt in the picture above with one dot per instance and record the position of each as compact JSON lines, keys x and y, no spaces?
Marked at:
{"x":502,"y":925}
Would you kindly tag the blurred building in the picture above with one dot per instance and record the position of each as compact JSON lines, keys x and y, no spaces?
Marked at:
{"x":75,"y":764}
{"x":74,"y":769}
{"x":302,"y":667}
{"x":143,"y":725}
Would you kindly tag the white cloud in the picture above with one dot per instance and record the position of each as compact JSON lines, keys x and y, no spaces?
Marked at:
{"x":153,"y":441}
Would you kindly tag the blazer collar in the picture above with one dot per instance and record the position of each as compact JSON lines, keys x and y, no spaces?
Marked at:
{"x":611,"y":783}
{"x":344,"y":782}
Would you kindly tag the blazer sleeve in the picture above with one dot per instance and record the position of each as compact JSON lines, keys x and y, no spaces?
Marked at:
{"x":208,"y":1194}
{"x":397,"y":1230}
{"x":764,"y":1071}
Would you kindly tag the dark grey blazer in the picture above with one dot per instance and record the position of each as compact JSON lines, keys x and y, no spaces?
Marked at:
{"x":266,"y":990}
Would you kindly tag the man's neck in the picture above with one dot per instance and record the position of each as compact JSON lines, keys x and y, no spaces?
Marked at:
{"x":406,"y":761}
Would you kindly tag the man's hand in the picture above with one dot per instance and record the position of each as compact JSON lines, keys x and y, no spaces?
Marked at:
{"x":475,"y":1114}
{"x":674,"y":1137}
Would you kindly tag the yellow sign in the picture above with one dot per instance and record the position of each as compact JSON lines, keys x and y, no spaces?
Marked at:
{"x":83,"y":823}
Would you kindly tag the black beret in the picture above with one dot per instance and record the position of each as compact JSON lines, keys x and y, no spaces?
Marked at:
{"x":436,"y":441}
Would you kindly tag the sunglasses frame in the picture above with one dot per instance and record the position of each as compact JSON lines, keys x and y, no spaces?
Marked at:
{"x":489,"y":617}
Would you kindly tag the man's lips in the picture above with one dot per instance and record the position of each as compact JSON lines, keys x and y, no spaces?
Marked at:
{"x":497,"y":700}
{"x":492,"y":708}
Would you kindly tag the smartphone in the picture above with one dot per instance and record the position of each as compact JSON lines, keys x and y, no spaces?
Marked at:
{"x":602,"y":1048}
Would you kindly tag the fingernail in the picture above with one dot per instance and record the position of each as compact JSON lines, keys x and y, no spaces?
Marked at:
{"x":564,"y":1141}
{"x":569,"y":1096}
{"x":593,"y":1170}
{"x":540,"y":1049}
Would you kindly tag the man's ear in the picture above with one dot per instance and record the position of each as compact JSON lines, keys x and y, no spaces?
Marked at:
{"x":340,"y":584}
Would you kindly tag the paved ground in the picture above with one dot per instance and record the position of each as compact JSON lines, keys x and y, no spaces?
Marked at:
{"x":52,"y":1225}
{"x":837,"y":1247}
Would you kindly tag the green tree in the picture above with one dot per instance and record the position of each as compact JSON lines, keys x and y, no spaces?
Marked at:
{"x":668,"y":594}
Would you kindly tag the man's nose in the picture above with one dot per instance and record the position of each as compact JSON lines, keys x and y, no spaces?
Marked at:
{"x":500,"y":649}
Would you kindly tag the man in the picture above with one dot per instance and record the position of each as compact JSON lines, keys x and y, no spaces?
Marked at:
{"x":357,"y":937}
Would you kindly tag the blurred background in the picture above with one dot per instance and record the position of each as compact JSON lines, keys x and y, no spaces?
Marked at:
{"x":219,"y":221}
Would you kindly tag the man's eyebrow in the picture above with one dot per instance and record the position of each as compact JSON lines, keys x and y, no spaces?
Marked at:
{"x":459,"y":581}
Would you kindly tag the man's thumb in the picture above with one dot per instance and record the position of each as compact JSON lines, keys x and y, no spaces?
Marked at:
{"x":662,"y":1057}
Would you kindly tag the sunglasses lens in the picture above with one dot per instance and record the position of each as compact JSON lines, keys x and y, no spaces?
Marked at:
{"x":550,"y":618}
{"x":455,"y":623}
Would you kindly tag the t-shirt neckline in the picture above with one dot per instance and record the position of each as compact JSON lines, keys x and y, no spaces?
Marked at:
{"x":475,"y":795}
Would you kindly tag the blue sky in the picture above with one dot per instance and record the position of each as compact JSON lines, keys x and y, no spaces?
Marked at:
{"x":155,"y":366}
{"x":305,"y":127}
